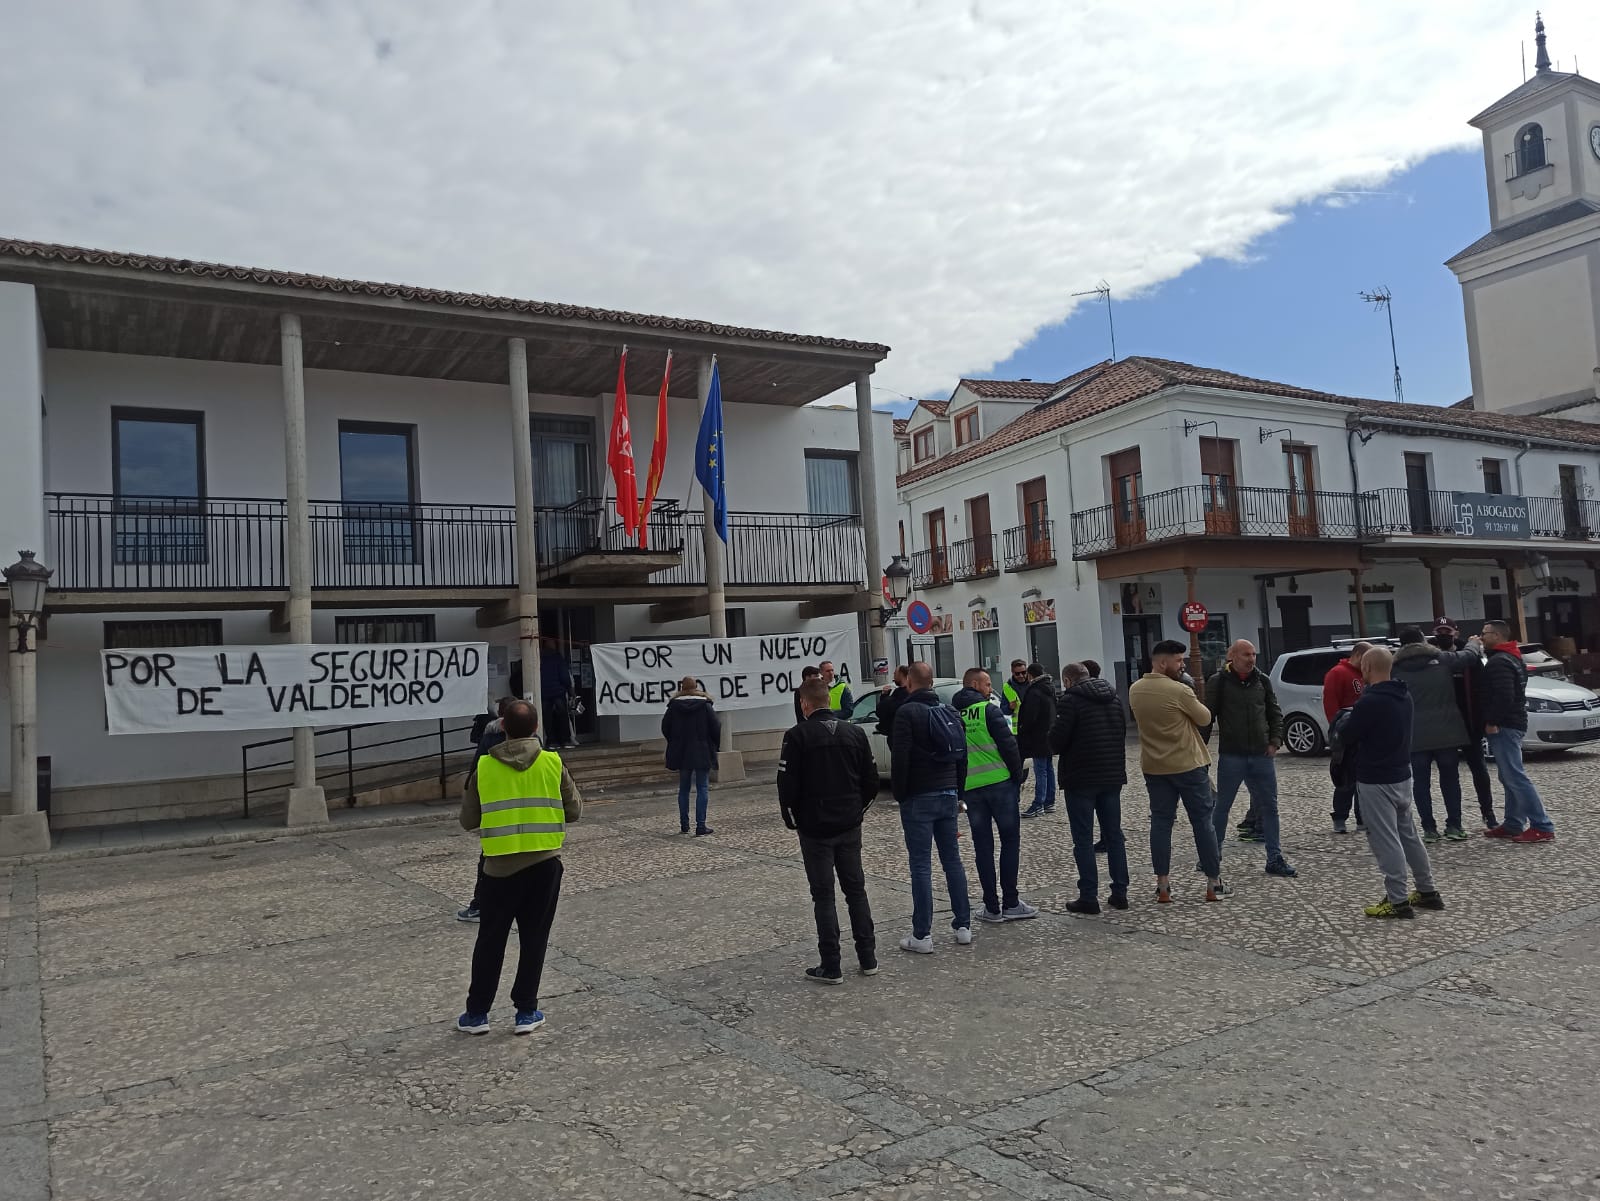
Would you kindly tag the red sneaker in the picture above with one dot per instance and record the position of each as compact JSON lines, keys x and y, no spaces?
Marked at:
{"x":1498,"y":832}
{"x":1532,"y":835}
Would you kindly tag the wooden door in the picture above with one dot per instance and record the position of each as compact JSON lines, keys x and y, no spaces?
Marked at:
{"x":1302,"y":492}
{"x":1419,"y":498}
{"x":1127,"y":498}
{"x":938,"y":549}
{"x":1572,"y":516}
{"x":1036,"y":520}
{"x":982,"y":535}
{"x":1218,"y":467}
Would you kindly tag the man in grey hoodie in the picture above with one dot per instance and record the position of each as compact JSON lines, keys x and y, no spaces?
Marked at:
{"x":1438,"y":731}
{"x":519,"y":800}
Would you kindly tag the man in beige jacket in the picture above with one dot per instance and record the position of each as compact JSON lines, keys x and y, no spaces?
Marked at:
{"x":519,"y":800}
{"x":1176,"y":766}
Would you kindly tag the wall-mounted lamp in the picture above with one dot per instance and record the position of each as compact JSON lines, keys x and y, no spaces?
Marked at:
{"x":1264,"y":433}
{"x":1031,"y":594}
{"x":977,"y":602}
{"x":1189,"y":426}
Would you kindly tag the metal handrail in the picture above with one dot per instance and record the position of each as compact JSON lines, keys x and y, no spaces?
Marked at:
{"x":347,"y":752}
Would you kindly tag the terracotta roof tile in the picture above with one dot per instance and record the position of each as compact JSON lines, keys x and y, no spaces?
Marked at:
{"x":155,"y":265}
{"x":938,"y":408}
{"x":1008,"y":389}
{"x":1469,"y":420}
{"x":900,"y":424}
{"x":1106,"y":386}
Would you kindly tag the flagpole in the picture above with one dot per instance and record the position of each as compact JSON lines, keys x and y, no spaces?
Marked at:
{"x":730,"y":764}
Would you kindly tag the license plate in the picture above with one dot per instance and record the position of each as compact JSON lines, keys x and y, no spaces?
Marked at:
{"x":1591,"y":720}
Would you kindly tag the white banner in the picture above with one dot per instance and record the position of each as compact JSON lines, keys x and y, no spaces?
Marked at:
{"x":736,"y":673}
{"x":199,"y":688}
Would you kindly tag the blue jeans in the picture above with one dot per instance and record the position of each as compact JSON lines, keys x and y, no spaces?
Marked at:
{"x":1523,"y":806}
{"x":997,"y":804}
{"x":701,"y":779}
{"x":1449,"y":762}
{"x":1083,"y":807}
{"x":1044,"y":784}
{"x":1259,"y":775}
{"x":929,"y":819}
{"x":1193,"y":788}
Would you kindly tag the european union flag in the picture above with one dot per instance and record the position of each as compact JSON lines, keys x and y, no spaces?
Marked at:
{"x":708,"y":460}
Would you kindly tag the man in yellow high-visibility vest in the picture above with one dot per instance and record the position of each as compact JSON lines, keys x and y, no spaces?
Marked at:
{"x":840,"y":698}
{"x":519,"y":800}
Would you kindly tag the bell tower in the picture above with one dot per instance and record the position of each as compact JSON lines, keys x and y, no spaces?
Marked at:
{"x":1531,"y":286}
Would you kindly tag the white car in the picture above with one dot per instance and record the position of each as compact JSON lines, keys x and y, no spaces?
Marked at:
{"x":865,"y":715}
{"x":1560,"y":713}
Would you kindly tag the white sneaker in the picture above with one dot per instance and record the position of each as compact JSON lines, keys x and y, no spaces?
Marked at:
{"x":964,"y":935}
{"x":1020,"y":912}
{"x":920,"y":946}
{"x":989,"y":915}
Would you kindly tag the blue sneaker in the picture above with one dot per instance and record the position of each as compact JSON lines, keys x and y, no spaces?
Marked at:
{"x":473,"y":1023}
{"x":528,"y":1020}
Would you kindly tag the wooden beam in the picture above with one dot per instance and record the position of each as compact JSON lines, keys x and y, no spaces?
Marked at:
{"x":832,"y":606}
{"x":681,"y":610}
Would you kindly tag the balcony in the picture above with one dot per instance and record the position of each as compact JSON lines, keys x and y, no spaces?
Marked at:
{"x":974,"y":558}
{"x":1031,"y":546}
{"x":104,"y":544}
{"x":930,"y":568}
{"x":1374,"y":516}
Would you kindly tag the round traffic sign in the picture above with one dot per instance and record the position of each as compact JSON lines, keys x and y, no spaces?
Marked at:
{"x":919,"y":617}
{"x":1194,"y":617}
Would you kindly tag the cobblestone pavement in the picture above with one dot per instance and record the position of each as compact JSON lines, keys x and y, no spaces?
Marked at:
{"x":273,"y":1019}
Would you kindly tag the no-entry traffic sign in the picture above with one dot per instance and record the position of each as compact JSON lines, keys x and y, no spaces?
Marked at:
{"x":1194,"y":617}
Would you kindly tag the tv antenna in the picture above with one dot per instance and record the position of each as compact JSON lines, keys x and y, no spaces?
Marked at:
{"x":1381,"y":298}
{"x":1102,"y":291}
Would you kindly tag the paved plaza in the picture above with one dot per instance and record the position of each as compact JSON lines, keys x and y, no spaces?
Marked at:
{"x":273,"y":1019}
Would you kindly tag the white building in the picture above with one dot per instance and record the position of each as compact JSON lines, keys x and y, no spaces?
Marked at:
{"x":145,"y":403}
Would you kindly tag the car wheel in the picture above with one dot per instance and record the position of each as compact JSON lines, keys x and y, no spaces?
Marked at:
{"x":1301,"y":736}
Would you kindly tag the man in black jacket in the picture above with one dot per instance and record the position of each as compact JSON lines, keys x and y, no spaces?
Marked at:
{"x":1377,"y":734}
{"x":889,"y":702}
{"x":1502,"y":697}
{"x":1034,"y":717}
{"x":1439,"y":730}
{"x":826,"y":780}
{"x":1091,"y":736}
{"x":927,"y":777}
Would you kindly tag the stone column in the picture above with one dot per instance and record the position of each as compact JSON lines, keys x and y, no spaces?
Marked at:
{"x":1194,"y":638}
{"x":730,"y":763}
{"x":527,"y":529}
{"x":1436,"y":587}
{"x":307,"y":803}
{"x":24,"y":830}
{"x":867,"y":486}
{"x":1519,"y":620}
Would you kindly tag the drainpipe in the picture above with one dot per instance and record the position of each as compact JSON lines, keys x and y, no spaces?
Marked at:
{"x":1350,"y":449}
{"x":1077,"y":567}
{"x":1266,"y":619}
{"x":1516,"y":465}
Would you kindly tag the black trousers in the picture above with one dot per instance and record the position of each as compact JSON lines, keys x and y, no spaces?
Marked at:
{"x":528,"y":899}
{"x":827,"y":857}
{"x":1472,"y":756}
{"x":557,"y":722}
{"x":477,"y":886}
{"x":1344,"y":799}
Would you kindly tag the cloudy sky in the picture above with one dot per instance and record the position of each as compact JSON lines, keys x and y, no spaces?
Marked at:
{"x":939,"y":176}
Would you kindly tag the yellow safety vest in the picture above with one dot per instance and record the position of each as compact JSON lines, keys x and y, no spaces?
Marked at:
{"x":836,"y":695}
{"x":521,"y":810}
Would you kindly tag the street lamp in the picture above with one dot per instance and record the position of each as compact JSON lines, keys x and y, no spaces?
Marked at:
{"x":898,"y":573}
{"x":25,"y":830}
{"x":27,"y":580}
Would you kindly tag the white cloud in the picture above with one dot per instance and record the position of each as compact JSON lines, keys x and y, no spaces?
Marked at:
{"x":937,"y":176}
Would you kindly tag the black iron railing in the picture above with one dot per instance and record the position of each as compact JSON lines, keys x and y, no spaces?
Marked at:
{"x":1423,"y":512}
{"x":1031,"y":545}
{"x":930,"y":568}
{"x":974,"y":558}
{"x":1568,"y":518}
{"x":776,"y":548}
{"x":384,"y":546}
{"x":1199,"y":510}
{"x":354,"y":757}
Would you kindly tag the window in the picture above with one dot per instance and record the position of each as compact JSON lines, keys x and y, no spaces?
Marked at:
{"x":922,"y":445}
{"x":203,"y":631}
{"x":1380,"y":618}
{"x":1574,"y":516}
{"x":1302,"y":498}
{"x":902,"y":537}
{"x":967,"y":427}
{"x":1419,"y":494}
{"x":158,"y":479}
{"x":1530,"y":148}
{"x":1494,"y":607}
{"x":1494,"y":476}
{"x":384,"y":627}
{"x":1036,"y":522}
{"x":1310,"y":669}
{"x":831,"y":489}
{"x":938,"y":549}
{"x":377,"y":485}
{"x":944,"y":656}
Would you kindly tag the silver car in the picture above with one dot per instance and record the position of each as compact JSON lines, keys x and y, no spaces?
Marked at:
{"x":865,"y":715}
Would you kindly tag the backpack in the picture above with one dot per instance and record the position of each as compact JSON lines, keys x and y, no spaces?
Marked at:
{"x":947,"y":735}
{"x":1339,"y":763}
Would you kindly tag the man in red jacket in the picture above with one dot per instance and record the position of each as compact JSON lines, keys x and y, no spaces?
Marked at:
{"x":1341,"y":688}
